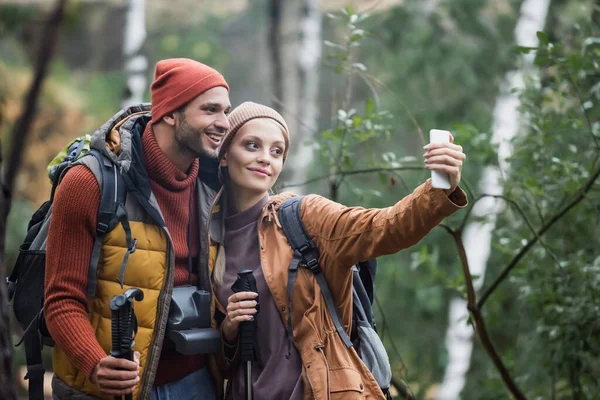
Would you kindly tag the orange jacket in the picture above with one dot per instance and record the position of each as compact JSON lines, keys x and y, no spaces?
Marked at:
{"x":344,"y":236}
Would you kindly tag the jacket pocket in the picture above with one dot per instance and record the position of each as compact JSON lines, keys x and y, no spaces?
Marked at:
{"x":345,"y":383}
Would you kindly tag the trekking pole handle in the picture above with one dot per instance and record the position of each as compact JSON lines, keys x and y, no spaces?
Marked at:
{"x":246,"y":283}
{"x":122,"y":315}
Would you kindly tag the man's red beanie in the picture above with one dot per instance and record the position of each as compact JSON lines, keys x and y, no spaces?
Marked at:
{"x":177,"y":81}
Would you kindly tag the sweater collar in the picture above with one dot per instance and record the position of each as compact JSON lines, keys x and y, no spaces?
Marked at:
{"x":245,"y":218}
{"x":161,"y":169}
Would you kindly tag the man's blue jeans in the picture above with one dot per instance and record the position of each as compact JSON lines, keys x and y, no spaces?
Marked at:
{"x":197,"y":385}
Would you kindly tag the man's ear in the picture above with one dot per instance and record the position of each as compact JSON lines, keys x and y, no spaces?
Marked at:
{"x":223,"y":162}
{"x":169,"y":118}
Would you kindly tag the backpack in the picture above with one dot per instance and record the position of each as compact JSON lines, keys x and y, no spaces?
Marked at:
{"x":26,"y":280}
{"x":363,"y":335}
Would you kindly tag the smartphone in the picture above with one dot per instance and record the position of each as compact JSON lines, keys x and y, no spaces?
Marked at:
{"x":439,"y":180}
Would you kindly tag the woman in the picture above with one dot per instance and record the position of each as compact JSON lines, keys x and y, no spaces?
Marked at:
{"x":318,"y":365}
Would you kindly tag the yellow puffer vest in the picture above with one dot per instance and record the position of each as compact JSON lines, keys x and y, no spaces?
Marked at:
{"x":152,"y":250}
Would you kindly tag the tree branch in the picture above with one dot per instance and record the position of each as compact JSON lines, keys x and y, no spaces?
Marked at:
{"x":582,"y":193}
{"x":7,"y":178}
{"x":478,"y":322}
{"x":357,"y":172}
{"x":402,"y":389}
{"x":21,"y":128}
{"x":523,"y":215}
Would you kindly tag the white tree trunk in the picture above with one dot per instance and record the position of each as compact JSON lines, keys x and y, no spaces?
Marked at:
{"x":477,"y":236}
{"x":309,"y":56}
{"x":136,"y":64}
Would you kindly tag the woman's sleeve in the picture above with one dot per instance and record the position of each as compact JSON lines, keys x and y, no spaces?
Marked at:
{"x":353,"y":234}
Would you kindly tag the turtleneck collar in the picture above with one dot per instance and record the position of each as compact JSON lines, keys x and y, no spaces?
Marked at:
{"x":245,"y":218}
{"x":161,"y":169}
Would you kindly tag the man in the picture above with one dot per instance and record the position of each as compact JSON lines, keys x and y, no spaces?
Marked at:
{"x":165,"y":159}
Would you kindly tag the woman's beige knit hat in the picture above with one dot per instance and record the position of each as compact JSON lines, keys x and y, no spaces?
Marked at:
{"x":246,"y":112}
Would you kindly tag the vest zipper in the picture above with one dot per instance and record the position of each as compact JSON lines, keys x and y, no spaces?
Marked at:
{"x":155,"y":347}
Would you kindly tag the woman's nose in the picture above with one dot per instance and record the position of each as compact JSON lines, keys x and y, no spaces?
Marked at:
{"x":263,"y":158}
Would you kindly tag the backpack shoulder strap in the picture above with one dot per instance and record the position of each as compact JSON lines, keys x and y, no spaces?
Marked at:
{"x":110,"y":213}
{"x":306,"y":253}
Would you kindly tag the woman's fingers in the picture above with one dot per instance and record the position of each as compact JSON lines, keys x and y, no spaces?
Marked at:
{"x":240,"y":296}
{"x":450,"y":151}
{"x":449,"y":169}
{"x":241,"y":306}
{"x":444,"y":159}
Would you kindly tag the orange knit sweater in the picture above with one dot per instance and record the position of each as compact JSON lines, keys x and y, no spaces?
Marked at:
{"x":69,"y":250}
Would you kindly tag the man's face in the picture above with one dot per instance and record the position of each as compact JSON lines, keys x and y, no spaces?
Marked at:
{"x":203,"y":123}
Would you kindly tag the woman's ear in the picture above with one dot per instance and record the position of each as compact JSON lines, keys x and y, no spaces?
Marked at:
{"x":223,"y":162}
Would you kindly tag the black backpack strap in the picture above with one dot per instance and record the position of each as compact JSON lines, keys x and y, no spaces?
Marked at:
{"x":33,"y":357}
{"x":110,"y":212}
{"x":306,"y":253}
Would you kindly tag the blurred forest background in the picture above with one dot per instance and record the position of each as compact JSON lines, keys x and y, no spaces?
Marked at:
{"x":501,"y":301}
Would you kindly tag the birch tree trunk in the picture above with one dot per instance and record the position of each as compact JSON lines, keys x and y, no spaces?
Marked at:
{"x":136,"y":63}
{"x":477,"y":236}
{"x":309,"y":57}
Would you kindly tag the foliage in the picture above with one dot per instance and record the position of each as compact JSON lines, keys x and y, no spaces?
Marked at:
{"x":551,"y":336}
{"x":414,"y":288}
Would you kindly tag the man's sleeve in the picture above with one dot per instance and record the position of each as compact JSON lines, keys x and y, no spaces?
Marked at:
{"x":69,"y":250}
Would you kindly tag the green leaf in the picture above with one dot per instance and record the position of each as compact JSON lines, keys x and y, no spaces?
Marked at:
{"x":542,"y":37}
{"x":523,"y":49}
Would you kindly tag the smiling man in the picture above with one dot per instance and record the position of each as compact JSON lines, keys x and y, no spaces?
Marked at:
{"x":166,"y":155}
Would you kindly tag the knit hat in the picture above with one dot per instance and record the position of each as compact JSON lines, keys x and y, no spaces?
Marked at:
{"x":246,"y":112}
{"x":177,"y":81}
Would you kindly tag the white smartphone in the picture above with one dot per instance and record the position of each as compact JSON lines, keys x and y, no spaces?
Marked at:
{"x":439,"y":180}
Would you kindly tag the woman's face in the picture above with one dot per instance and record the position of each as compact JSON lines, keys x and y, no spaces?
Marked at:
{"x":255,"y":157}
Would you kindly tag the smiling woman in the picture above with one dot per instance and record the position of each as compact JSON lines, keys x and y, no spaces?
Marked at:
{"x":307,"y":356}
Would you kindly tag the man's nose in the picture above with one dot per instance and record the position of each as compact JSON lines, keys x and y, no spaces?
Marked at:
{"x":222,"y":124}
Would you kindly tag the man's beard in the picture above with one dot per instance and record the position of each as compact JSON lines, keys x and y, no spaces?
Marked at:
{"x":190,"y":139}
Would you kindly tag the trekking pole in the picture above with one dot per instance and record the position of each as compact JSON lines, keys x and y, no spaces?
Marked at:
{"x":124,"y":326}
{"x":246,"y":283}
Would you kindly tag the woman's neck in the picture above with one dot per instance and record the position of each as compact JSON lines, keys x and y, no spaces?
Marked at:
{"x":241,"y":200}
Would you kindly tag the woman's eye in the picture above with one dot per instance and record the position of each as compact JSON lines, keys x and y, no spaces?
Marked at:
{"x":278,"y":151}
{"x":252,"y":145}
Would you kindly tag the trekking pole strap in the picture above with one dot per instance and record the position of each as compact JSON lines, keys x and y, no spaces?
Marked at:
{"x":35,"y":369}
